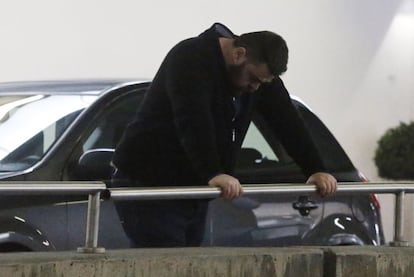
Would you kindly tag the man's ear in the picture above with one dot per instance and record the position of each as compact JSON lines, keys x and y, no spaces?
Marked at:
{"x":239,"y":55}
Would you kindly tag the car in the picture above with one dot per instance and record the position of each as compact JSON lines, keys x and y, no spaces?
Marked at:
{"x":67,"y":131}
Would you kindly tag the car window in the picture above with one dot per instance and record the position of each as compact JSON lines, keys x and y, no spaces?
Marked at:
{"x":332,"y":154}
{"x":263,"y":159}
{"x":254,"y":140}
{"x":262,"y":148}
{"x":109,"y":127}
{"x":30,"y":130}
{"x":91,"y":158}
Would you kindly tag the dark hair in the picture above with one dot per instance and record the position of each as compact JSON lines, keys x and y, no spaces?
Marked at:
{"x":265,"y":47}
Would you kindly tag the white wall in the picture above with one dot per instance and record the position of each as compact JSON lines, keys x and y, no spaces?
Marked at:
{"x":351,"y":60}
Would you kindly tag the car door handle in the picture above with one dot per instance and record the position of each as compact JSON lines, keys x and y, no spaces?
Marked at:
{"x":304,"y":205}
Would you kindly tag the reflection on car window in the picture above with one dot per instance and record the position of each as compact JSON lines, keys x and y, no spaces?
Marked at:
{"x":92,"y":139}
{"x":33,"y":149}
{"x":32,"y":124}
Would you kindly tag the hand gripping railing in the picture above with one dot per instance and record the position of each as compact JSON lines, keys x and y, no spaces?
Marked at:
{"x":166,"y":193}
{"x":94,"y":190}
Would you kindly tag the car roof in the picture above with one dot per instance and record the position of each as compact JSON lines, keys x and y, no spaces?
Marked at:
{"x":79,"y":86}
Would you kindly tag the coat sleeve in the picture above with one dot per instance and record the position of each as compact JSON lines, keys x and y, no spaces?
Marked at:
{"x":276,"y":107}
{"x":189,"y":87}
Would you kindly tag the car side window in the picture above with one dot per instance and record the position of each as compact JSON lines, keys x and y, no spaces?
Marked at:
{"x":260,"y":152}
{"x":332,"y":154}
{"x":262,"y":158}
{"x":111,"y":124}
{"x":91,"y":158}
{"x":34,"y":148}
{"x":255,"y":142}
{"x":262,"y":148}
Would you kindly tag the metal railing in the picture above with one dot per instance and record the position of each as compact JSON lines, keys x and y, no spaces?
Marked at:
{"x":166,"y":193}
{"x":94,"y":190}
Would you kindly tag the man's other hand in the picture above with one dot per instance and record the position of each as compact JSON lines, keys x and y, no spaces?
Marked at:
{"x":230,"y":186}
{"x":325,"y":183}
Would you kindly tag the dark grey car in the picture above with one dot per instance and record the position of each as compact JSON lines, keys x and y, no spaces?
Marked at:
{"x":64,"y":131}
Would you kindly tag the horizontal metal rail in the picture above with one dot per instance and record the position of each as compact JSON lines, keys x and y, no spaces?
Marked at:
{"x":167,"y":193}
{"x":93,"y":189}
{"x":49,"y":188}
{"x":351,"y":188}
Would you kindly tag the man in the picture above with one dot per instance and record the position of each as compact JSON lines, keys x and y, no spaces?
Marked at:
{"x":191,"y":125}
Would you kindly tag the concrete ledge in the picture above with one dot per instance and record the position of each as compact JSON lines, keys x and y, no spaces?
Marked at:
{"x":344,"y":261}
{"x":369,"y":261}
{"x":178,"y":262}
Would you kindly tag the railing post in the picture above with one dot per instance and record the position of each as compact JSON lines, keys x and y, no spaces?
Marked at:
{"x":92,"y":225}
{"x":399,"y":220}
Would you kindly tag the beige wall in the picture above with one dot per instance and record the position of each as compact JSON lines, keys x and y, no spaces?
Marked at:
{"x":352,"y":61}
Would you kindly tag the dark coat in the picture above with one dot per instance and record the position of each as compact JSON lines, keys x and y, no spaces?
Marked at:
{"x":187,"y":131}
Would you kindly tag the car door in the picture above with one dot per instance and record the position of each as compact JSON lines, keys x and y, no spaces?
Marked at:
{"x":264,"y":220}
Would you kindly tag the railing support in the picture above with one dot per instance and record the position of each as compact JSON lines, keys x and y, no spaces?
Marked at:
{"x":92,"y":225}
{"x":399,"y":220}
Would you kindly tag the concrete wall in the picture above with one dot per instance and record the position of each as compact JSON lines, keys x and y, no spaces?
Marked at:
{"x":196,"y":262}
{"x":368,"y":261}
{"x":351,"y":60}
{"x":226,"y":262}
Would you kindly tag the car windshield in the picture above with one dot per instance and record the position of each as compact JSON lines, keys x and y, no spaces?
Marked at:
{"x":31,"y":123}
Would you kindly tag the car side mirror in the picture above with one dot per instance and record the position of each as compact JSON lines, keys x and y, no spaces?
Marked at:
{"x":95,"y":165}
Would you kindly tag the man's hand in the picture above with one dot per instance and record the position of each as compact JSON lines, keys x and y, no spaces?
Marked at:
{"x":230,"y":186}
{"x":325,"y":183}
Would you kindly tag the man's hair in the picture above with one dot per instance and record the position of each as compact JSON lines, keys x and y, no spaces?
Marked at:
{"x":265,"y":47}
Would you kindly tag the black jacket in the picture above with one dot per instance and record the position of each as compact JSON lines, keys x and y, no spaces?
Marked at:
{"x":187,"y":130}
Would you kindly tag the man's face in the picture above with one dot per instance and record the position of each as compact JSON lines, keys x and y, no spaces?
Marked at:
{"x":247,"y":77}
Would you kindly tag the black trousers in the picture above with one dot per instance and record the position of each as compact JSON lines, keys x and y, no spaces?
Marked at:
{"x":161,"y":223}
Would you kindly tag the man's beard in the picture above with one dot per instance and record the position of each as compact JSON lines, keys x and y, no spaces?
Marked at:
{"x":235,"y":72}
